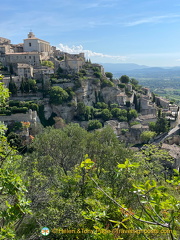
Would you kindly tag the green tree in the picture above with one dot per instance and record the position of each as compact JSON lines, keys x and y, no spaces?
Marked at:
{"x":161,"y":125}
{"x":4,"y":94}
{"x":146,"y":136}
{"x":90,"y":181}
{"x":134,"y":81}
{"x":81,"y":111}
{"x":109,"y":75}
{"x":132,"y":114}
{"x":106,"y":114}
{"x":116,"y":112}
{"x":152,"y":126}
{"x":101,"y":105}
{"x":106,"y":83}
{"x":22,"y":86}
{"x":32,"y":85}
{"x":57,"y":95}
{"x":26,"y":86}
{"x":124,"y":79}
{"x":12,"y":87}
{"x":94,"y":124}
{"x":13,"y":203}
{"x":48,"y":64}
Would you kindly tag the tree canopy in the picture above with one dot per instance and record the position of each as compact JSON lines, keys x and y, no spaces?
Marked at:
{"x":124,"y":79}
{"x":57,"y":95}
{"x":48,"y":64}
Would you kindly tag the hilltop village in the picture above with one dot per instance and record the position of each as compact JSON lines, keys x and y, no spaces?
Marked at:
{"x":51,"y":87}
{"x":83,"y":155}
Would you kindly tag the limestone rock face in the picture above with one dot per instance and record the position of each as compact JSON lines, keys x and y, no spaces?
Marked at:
{"x":110,"y":94}
{"x":64,"y":111}
{"x":86,"y":93}
{"x":47,"y":111}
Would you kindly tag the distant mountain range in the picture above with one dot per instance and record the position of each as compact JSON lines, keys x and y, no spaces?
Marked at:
{"x":141,"y":71}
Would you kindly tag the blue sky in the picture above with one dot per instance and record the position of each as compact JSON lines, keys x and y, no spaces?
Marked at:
{"x":145,"y":32}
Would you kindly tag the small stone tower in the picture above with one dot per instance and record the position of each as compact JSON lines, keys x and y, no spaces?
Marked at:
{"x":31,"y":35}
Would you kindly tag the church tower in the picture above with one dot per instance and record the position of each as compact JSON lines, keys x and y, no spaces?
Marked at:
{"x":31,"y":35}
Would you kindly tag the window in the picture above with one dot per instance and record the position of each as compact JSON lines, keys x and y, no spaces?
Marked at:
{"x":29,"y":44}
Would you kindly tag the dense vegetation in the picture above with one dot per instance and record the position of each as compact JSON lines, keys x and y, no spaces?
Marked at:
{"x":86,"y":185}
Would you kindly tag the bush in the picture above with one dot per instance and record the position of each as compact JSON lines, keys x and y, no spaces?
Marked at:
{"x":132,"y":114}
{"x":134,"y":123}
{"x":122,"y":119}
{"x":152,"y":126}
{"x":114,"y":105}
{"x":96,"y":81}
{"x":34,"y":107}
{"x":106,"y":83}
{"x":124,"y":131}
{"x":146,"y":136}
{"x":116,"y":112}
{"x":106,"y":114}
{"x":83,"y":72}
{"x":19,"y":110}
{"x":97,"y":113}
{"x":14,"y":103}
{"x":97,"y":74}
{"x":94,"y":124}
{"x":58,"y":95}
{"x":121,"y":85}
{"x":109,"y":75}
{"x":96,"y":69}
{"x":124,"y":79}
{"x":13,"y":127}
{"x":101,"y":105}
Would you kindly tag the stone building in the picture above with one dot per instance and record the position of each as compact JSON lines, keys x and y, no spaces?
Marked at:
{"x":24,"y":71}
{"x":32,"y":58}
{"x":33,"y":44}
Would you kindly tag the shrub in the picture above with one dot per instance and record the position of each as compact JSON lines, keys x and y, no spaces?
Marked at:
{"x":109,"y":75}
{"x":146,"y":136}
{"x":116,"y":112}
{"x":94,"y":124}
{"x":97,"y":74}
{"x":132,"y":114}
{"x":106,"y":83}
{"x":58,"y":95}
{"x":19,"y":110}
{"x":122,"y":119}
{"x":121,"y":85}
{"x":124,"y":131}
{"x":106,"y":114}
{"x":124,"y":79}
{"x":14,"y":103}
{"x":134,"y":123}
{"x":96,"y":81}
{"x":113,"y":105}
{"x":101,"y":105}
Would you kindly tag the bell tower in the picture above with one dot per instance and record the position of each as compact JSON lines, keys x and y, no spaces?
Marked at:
{"x":31,"y":34}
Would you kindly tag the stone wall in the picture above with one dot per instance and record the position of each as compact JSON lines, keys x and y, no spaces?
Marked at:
{"x":31,"y":116}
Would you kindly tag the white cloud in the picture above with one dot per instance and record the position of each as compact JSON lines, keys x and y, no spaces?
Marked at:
{"x":88,"y":53}
{"x":153,"y":19}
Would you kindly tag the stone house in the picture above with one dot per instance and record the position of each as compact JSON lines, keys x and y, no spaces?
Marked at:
{"x":24,"y":71}
{"x":147,"y":107}
{"x":32,"y":58}
{"x":164,"y":103}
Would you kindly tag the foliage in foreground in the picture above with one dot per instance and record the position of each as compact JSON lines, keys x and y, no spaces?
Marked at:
{"x":86,"y":185}
{"x":89,"y":182}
